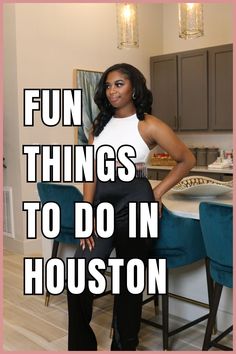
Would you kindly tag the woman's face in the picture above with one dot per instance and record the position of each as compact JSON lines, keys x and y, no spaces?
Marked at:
{"x":119,"y":90}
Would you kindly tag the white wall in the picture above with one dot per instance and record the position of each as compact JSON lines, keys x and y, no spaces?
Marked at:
{"x":43,"y":44}
{"x":12,"y":174}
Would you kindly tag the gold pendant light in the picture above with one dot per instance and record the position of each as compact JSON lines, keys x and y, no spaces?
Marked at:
{"x":127,"y":24}
{"x":191,"y":20}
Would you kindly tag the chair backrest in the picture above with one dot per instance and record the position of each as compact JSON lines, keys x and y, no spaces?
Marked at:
{"x":180,"y":240}
{"x":65,"y":196}
{"x":217,"y":229}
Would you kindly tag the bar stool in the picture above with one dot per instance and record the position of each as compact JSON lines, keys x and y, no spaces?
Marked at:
{"x":65,"y":196}
{"x":180,"y":242}
{"x":217,"y":229}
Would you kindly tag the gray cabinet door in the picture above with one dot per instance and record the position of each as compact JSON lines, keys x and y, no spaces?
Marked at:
{"x":192,"y":90}
{"x":221,"y":87}
{"x":164,"y":88}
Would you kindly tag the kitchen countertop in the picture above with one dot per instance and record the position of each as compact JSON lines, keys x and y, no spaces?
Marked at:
{"x":187,"y":206}
{"x":183,"y":205}
{"x":195,"y":169}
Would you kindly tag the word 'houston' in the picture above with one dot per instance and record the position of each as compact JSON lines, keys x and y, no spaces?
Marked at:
{"x":78,"y":274}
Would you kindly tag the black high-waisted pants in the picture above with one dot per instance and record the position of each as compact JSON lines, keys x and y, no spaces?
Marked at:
{"x":128,"y":307}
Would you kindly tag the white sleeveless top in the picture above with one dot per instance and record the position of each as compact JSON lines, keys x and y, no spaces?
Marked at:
{"x":123,"y":131}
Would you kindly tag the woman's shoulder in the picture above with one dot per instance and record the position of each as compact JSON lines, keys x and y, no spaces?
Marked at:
{"x":149,"y":126}
{"x":154,"y":125}
{"x":152,"y":120}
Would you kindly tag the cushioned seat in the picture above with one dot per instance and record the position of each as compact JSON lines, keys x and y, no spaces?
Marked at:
{"x":217,"y":229}
{"x":180,"y":242}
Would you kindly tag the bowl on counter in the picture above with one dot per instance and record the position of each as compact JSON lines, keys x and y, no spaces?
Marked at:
{"x":200,"y":186}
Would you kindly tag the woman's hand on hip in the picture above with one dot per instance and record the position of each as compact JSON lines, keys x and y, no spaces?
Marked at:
{"x":158,"y":199}
{"x":89,"y":242}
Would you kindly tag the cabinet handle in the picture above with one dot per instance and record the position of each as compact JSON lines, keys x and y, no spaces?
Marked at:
{"x":179,"y":121}
{"x":175,"y":122}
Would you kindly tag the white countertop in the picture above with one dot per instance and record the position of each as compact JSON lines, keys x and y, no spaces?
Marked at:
{"x":187,"y":206}
{"x":184,"y":205}
{"x":195,"y":169}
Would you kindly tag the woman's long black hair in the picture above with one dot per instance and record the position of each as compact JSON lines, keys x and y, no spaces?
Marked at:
{"x":142,"y":100}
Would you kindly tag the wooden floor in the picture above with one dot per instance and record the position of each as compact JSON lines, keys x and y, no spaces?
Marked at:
{"x":30,"y":326}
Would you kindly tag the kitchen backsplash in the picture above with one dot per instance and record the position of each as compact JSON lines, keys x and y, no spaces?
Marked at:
{"x":222,"y":141}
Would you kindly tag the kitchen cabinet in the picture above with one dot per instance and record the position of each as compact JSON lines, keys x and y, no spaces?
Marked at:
{"x":179,"y":87}
{"x":164,"y":88}
{"x":221,"y":87}
{"x":192,"y":90}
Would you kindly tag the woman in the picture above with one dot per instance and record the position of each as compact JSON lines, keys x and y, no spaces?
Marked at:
{"x":124,"y":119}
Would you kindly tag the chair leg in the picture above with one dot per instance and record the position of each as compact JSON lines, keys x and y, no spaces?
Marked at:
{"x":165,"y":316}
{"x":55,"y":248}
{"x":212,"y":316}
{"x":210,"y":283}
{"x":210,"y":289}
{"x":113,"y":318}
{"x":156,"y":304}
{"x":54,"y":254}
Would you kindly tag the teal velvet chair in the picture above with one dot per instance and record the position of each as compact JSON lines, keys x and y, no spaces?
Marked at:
{"x":65,"y":196}
{"x":217,"y":229}
{"x":180,"y":242}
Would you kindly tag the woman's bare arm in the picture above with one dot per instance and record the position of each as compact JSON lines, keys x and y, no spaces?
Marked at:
{"x":158,"y":133}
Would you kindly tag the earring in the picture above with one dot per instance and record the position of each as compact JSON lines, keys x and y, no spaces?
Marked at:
{"x":133,"y":95}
